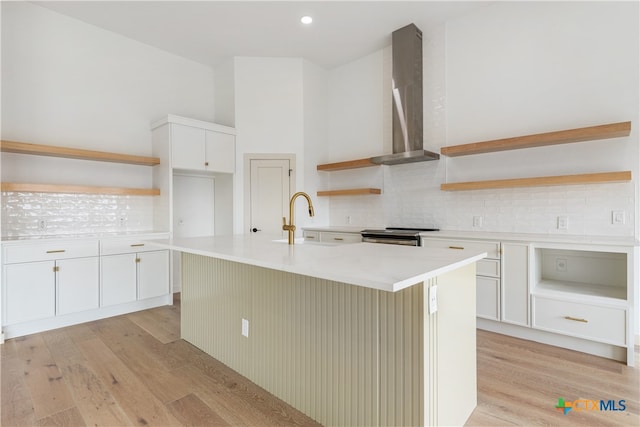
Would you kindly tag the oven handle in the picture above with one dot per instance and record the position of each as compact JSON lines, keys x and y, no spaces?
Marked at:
{"x":390,"y":241}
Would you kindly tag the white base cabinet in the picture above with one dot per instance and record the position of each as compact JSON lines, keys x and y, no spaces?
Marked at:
{"x":488,"y":303}
{"x":132,"y":271}
{"x":59,"y":283}
{"x":30,"y":289}
{"x":52,"y":279}
{"x":331,"y":237}
{"x":153,"y":274}
{"x":118,"y":275}
{"x":579,"y":296}
{"x":515,"y":283}
{"x":77,"y":285}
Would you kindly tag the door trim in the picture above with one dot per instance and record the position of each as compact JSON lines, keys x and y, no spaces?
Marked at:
{"x":247,"y":179}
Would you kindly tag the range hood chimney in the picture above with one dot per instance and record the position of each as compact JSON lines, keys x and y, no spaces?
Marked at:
{"x":406,"y":51}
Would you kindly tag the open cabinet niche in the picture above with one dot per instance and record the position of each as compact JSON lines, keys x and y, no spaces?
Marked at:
{"x":196,"y":179}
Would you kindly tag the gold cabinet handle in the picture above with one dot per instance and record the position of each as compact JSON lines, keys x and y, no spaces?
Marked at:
{"x":137,"y":259}
{"x":137,"y":244}
{"x":309,"y":237}
{"x":206,"y":163}
{"x":338,"y":238}
{"x":56,"y":251}
{"x":456,"y":247}
{"x":576,"y":319}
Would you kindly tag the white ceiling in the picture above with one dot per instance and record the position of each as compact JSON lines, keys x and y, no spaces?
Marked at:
{"x":210,"y":31}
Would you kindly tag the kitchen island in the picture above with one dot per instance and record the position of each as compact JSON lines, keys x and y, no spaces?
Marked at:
{"x":344,"y":333}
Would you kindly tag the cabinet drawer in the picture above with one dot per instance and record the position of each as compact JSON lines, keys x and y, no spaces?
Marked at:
{"x":124,"y":246}
{"x":488,"y":267}
{"x":491,"y":248}
{"x":604,"y":324}
{"x":314,"y":236}
{"x":46,"y":251}
{"x":329,"y":237}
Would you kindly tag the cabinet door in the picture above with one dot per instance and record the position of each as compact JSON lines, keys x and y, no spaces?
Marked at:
{"x":153,"y":274}
{"x":187,"y":147}
{"x":30,"y":291}
{"x":488,"y":297}
{"x":78,"y":285}
{"x":118,"y":279}
{"x":220,"y":152}
{"x":515,"y":283}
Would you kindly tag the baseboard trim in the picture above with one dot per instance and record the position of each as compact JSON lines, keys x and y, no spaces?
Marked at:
{"x":572,"y":343}
{"x":41,"y":325}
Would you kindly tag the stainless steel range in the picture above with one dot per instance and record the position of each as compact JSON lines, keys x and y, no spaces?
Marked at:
{"x":395,"y":235}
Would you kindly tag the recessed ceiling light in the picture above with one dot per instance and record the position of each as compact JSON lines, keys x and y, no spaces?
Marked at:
{"x":306,"y":20}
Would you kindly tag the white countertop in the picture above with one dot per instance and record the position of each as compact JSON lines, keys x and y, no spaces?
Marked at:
{"x":384,"y":267}
{"x":501,"y":236}
{"x":532,"y":238}
{"x":84,"y":236}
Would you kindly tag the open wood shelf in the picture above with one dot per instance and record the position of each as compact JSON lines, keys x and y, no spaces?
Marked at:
{"x":589,"y":178}
{"x":349,"y":164}
{"x":350,"y":192}
{"x":77,"y":189}
{"x":612,"y":130}
{"x":74,"y":153}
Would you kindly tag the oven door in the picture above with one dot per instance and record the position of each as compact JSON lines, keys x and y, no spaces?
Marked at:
{"x":391,"y":241}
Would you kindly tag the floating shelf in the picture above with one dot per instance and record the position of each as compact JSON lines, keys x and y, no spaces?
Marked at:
{"x":350,"y":192}
{"x":589,"y":178}
{"x":74,"y":153}
{"x":77,"y":189}
{"x":613,"y":130}
{"x":349,"y":164}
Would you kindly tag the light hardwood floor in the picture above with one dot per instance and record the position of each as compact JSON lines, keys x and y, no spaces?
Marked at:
{"x":134,"y":370}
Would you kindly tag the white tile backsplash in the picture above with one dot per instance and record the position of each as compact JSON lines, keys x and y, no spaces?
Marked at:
{"x":45,"y":214}
{"x":412,"y":197}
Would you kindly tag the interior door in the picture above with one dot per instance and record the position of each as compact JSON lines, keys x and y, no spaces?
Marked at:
{"x":270,"y":190}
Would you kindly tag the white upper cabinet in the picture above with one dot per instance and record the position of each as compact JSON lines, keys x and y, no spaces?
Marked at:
{"x":201,"y":149}
{"x":187,"y":147}
{"x":220,"y":152}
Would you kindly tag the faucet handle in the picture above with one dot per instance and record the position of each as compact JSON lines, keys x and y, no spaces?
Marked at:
{"x":284,"y":221}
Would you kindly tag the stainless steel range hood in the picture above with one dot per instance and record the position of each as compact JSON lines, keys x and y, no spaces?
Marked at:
{"x":406,"y":51}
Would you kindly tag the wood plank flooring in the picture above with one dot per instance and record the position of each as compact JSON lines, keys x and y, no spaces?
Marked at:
{"x":130,"y":370}
{"x":134,"y":370}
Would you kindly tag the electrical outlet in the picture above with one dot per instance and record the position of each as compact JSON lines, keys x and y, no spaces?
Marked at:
{"x":563,"y":222}
{"x":245,"y":328}
{"x":122,"y":221}
{"x":477,"y":221}
{"x":348,"y":219}
{"x":42,"y":224}
{"x":618,"y":217}
{"x":433,"y":299}
{"x":561,"y":265}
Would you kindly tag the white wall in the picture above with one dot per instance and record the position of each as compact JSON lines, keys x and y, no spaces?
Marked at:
{"x":315,"y":149}
{"x":225,"y":99}
{"x":272,"y":115}
{"x":71,"y":84}
{"x":507,"y":70}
